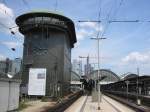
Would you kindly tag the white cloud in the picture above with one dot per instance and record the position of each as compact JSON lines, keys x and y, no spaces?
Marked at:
{"x":87,"y":24}
{"x":10,"y":44}
{"x":6,"y":10}
{"x":77,"y":45}
{"x":83,"y":33}
{"x":87,"y":29}
{"x":136,"y":57}
{"x":91,"y":25}
{"x":130,"y":62}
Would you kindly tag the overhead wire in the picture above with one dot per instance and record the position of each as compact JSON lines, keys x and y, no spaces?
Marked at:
{"x":99,"y":17}
{"x":107,"y":18}
{"x":11,"y":17}
{"x":117,"y":9}
{"x":26,"y":4}
{"x":12,"y":49}
{"x":3,"y":25}
{"x":5,"y":12}
{"x":98,"y":23}
{"x":11,"y":32}
{"x":7,"y":27}
{"x":56,"y":5}
{"x":95,"y":21}
{"x":3,"y":1}
{"x":98,"y":33}
{"x":113,"y":16}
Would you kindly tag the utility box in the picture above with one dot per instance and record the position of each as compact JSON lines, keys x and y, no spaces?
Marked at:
{"x":48,"y":40}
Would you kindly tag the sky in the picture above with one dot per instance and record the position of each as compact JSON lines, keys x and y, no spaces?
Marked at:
{"x":127,"y":43}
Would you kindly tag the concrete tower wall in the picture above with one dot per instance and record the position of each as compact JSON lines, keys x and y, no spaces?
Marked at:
{"x":47,"y":45}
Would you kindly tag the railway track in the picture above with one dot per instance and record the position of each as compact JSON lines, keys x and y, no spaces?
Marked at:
{"x":65,"y":104}
{"x":132,"y":105}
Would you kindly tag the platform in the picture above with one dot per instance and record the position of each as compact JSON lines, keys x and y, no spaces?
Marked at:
{"x":85,"y":104}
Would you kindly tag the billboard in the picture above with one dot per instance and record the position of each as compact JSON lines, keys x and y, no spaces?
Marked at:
{"x":37,"y":81}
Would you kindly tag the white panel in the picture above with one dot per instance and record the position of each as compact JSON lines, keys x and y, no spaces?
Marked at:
{"x":4,"y":91}
{"x":37,"y":81}
{"x":14,"y":95}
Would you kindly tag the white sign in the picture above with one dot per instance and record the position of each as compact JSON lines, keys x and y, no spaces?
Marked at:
{"x":37,"y":81}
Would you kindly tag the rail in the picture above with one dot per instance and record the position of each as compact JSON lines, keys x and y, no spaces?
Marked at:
{"x":60,"y":107}
{"x":127,"y":103}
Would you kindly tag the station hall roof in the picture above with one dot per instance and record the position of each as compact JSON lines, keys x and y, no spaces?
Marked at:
{"x":110,"y":76}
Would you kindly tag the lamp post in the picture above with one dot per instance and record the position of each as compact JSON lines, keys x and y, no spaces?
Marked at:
{"x":99,"y":75}
{"x":137,"y":87}
{"x":127,"y":83}
{"x":137,"y":63}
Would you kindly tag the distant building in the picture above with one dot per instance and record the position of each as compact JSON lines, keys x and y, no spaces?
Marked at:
{"x":88,"y":69}
{"x":5,"y":65}
{"x":77,"y":66}
{"x":15,"y":66}
{"x":10,"y":66}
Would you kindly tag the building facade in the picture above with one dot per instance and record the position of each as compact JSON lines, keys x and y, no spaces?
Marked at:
{"x":49,"y":38}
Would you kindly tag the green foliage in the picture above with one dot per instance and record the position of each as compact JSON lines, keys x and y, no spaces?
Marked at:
{"x":44,"y":99}
{"x":23,"y":105}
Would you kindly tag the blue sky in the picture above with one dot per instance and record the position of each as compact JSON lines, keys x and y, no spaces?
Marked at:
{"x":126,"y":46}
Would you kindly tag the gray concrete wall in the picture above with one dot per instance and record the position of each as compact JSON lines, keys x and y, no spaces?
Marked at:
{"x":48,"y":42}
{"x":9,"y":95}
{"x":14,"y":95}
{"x":56,"y":58}
{"x":4,"y":93}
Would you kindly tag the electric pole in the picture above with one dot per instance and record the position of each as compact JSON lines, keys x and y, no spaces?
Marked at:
{"x":99,"y":75}
{"x":137,"y":86}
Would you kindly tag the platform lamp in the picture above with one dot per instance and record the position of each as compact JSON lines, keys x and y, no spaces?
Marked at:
{"x":137,"y":87}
